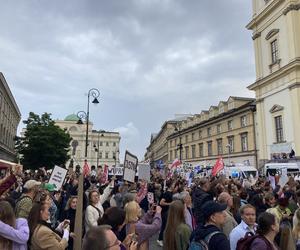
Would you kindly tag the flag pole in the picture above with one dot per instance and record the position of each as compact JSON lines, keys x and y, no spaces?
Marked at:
{"x":78,"y":216}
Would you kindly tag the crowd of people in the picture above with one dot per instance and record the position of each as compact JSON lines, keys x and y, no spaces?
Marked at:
{"x":209,"y":213}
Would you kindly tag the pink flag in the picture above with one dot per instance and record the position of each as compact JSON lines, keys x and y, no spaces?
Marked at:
{"x":218,"y":166}
{"x":86,"y":169}
{"x":104,"y":177}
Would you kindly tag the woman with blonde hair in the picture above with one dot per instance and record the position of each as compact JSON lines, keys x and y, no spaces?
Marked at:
{"x":69,"y":214}
{"x":177,"y":233}
{"x":296,"y":228}
{"x":14,"y":233}
{"x":144,"y":227}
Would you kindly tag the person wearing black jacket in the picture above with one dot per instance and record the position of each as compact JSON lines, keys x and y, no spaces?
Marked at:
{"x":200,"y":196}
{"x":210,"y":232}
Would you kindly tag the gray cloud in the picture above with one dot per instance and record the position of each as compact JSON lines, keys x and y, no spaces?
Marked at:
{"x":149,"y":58}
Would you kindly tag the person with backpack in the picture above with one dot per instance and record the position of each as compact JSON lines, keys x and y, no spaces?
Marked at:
{"x":209,"y":235}
{"x":267,"y":229}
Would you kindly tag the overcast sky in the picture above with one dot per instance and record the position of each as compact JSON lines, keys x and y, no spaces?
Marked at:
{"x":150,"y":59}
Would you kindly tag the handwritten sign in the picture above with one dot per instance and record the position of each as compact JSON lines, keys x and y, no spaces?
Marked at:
{"x":130,"y":166}
{"x":58,"y":176}
{"x":144,"y":172}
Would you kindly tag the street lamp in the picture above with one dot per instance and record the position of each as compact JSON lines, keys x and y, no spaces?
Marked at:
{"x":179,"y":146}
{"x":228,"y":146}
{"x":95,"y":93}
{"x":100,"y":133}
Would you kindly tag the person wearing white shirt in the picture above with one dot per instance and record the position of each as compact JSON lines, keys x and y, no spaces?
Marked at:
{"x":248,"y":215}
{"x":94,"y":211}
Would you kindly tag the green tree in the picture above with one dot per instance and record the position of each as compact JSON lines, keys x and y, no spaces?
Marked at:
{"x":44,"y":144}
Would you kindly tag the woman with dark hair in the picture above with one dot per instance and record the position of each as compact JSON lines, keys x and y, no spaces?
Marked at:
{"x":177,"y":233}
{"x":14,"y":233}
{"x":41,"y":234}
{"x":115,"y":217}
{"x":267,"y":229}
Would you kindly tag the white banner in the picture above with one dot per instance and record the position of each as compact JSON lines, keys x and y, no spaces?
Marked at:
{"x":144,"y":172}
{"x":130,"y":166}
{"x":58,"y":176}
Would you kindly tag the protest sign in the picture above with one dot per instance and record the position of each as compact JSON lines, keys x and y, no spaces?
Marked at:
{"x":130,"y":166}
{"x":58,"y":176}
{"x":283,"y":178}
{"x":144,"y":172}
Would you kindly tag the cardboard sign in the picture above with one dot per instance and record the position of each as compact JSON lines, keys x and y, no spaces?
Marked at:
{"x":283,"y":178}
{"x":58,"y":176}
{"x":130,"y":166}
{"x":144,"y":172}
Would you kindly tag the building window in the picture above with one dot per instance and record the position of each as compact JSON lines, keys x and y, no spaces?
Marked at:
{"x":279,"y":129}
{"x":114,"y":144}
{"x":114,"y":155}
{"x":209,"y":148}
{"x":200,"y":134}
{"x":186,"y":152}
{"x":101,"y":143}
{"x":244,"y":142}
{"x":193,"y":136}
{"x":200,"y":149}
{"x":230,"y":125}
{"x":230,"y":144}
{"x":186,"y":138}
{"x":219,"y":128}
{"x":220,"y":146}
{"x":107,"y":144}
{"x":243,"y":121}
{"x":171,"y":155}
{"x":274,"y":51}
{"x":193,"y":151}
{"x":106,"y":155}
{"x":100,"y":155}
{"x":208,"y":131}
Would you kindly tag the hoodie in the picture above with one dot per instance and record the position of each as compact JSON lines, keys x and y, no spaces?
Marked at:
{"x":217,"y":242}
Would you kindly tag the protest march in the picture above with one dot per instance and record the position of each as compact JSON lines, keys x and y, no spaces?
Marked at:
{"x":180,"y":205}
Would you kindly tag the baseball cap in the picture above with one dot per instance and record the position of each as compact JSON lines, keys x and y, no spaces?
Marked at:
{"x":211,"y":207}
{"x":31,"y":184}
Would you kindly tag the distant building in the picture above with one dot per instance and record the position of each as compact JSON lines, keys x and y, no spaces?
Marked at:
{"x":103,"y":146}
{"x":226,"y":130}
{"x":10,"y":117}
{"x":276,"y":37}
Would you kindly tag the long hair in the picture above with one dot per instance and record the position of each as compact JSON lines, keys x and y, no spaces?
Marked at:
{"x":175,"y":218}
{"x":34,"y":217}
{"x":68,"y":205}
{"x":296,"y":224}
{"x":7,"y":216}
{"x":131,"y":209}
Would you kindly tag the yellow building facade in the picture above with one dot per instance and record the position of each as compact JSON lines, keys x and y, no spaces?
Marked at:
{"x":226,"y":130}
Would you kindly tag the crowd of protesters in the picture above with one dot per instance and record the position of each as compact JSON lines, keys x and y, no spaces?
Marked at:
{"x":209,"y":213}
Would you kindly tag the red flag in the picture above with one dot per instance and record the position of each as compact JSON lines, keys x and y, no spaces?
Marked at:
{"x":86,"y":169}
{"x":217,"y":167}
{"x":104,"y":177}
{"x":176,"y":163}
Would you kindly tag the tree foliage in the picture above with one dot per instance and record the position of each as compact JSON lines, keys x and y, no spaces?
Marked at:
{"x":44,"y":144}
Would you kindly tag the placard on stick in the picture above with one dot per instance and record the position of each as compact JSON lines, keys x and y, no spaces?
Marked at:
{"x":130,"y":166}
{"x":58,"y":176}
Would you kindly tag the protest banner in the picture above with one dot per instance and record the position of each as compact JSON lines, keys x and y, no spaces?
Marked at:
{"x":283,"y":178}
{"x":130,"y":166}
{"x":58,"y":176}
{"x":144,"y":172}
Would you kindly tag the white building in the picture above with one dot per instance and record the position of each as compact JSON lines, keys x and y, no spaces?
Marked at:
{"x":103,"y":146}
{"x":276,"y":36}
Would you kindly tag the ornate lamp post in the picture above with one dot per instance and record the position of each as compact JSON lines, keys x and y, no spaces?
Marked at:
{"x":179,"y":146}
{"x":95,"y":93}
